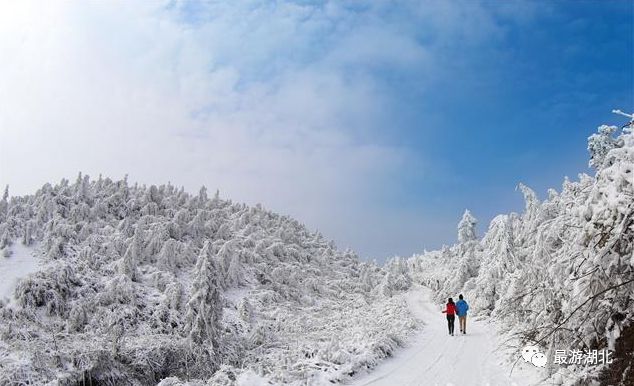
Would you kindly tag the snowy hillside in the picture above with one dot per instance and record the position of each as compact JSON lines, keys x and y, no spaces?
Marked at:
{"x":561,"y":274}
{"x":136,"y":285}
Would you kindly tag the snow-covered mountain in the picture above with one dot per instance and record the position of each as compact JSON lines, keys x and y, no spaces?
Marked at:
{"x":136,"y":285}
{"x":561,"y":274}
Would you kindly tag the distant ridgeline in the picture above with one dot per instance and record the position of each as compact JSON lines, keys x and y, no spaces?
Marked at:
{"x":560,"y":274}
{"x":140,"y":285}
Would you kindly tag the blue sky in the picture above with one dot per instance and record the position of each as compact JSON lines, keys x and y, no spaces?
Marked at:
{"x":377,"y":122}
{"x":519,"y":107}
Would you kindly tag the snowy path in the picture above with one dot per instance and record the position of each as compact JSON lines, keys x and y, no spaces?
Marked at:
{"x":435,"y":358}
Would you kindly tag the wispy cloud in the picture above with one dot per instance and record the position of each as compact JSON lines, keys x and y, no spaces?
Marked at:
{"x":285,"y":103}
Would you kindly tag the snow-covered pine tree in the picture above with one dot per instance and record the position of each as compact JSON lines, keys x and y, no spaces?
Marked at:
{"x":496,"y":264}
{"x":467,"y":227}
{"x":202,"y":196}
{"x":168,"y":256}
{"x":27,"y":235}
{"x":600,"y":143}
{"x":465,"y":261}
{"x":134,"y":253}
{"x":204,"y":308}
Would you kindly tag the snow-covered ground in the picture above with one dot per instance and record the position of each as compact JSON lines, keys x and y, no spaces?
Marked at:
{"x":22,"y":261}
{"x":435,"y":358}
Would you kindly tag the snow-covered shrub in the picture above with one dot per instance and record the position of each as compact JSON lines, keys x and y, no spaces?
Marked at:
{"x":51,"y":288}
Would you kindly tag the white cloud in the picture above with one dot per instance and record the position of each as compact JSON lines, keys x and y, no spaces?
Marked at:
{"x":275,"y":103}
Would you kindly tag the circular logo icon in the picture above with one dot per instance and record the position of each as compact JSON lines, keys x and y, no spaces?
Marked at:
{"x":529,"y":351}
{"x":539,"y":359}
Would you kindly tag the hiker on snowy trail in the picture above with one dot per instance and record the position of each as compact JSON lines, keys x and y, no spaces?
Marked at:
{"x":451,"y":314}
{"x":461,"y":310}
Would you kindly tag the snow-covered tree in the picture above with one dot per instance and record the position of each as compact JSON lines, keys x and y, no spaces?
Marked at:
{"x":599,"y":144}
{"x":134,"y":254}
{"x":204,"y":308}
{"x":202,"y":196}
{"x":27,"y":235}
{"x":245,"y":310}
{"x":168,"y":256}
{"x":498,"y":261}
{"x":4,"y":203}
{"x":467,"y":228}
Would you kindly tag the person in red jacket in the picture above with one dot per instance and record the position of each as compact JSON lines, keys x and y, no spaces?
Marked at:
{"x":451,"y":314}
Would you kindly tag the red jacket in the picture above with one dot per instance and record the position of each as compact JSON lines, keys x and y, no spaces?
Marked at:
{"x":451,"y":309}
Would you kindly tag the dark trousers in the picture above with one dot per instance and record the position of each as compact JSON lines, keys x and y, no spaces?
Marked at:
{"x":450,"y":320}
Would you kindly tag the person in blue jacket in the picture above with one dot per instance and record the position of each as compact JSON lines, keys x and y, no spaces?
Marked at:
{"x":461,"y":310}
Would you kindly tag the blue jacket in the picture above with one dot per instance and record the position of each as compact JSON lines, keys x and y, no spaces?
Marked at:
{"x":462,"y":307}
